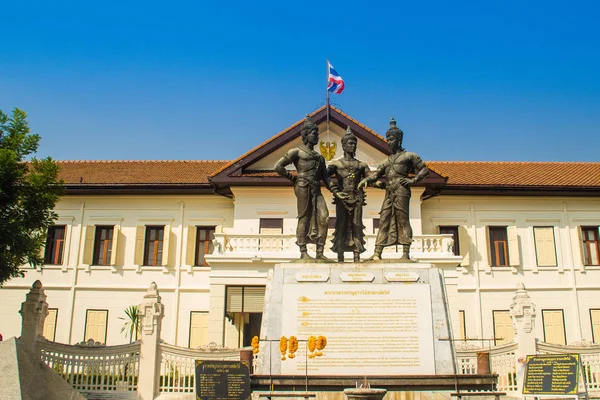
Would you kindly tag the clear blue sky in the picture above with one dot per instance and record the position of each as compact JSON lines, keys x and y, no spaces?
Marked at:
{"x":466,"y":80}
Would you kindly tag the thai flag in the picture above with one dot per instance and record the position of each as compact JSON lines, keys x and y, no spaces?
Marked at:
{"x":335,"y":83}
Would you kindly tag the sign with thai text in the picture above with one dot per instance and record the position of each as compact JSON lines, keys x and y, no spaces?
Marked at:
{"x":222,"y":380}
{"x":552,"y":374}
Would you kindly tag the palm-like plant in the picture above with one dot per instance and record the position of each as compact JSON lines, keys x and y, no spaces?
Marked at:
{"x":131,"y":327}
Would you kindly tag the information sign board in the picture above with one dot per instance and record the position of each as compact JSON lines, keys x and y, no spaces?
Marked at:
{"x":551,"y":374}
{"x":222,"y":380}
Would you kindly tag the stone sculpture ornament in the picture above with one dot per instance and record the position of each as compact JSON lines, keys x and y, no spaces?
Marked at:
{"x":312,"y":209}
{"x":394,"y":225}
{"x":349,"y":232}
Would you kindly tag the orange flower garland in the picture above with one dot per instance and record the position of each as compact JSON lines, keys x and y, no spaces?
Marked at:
{"x":312,"y":345}
{"x":321,"y":343}
{"x":255,"y":345}
{"x":292,"y":346}
{"x":283,"y":345}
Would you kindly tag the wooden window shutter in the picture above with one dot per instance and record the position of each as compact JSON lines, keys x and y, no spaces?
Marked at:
{"x":554,"y":326}
{"x":489,"y":246}
{"x":461,"y":321}
{"x":545,"y":249}
{"x":140,"y":237}
{"x":234,"y":299}
{"x":514,"y":255}
{"x":166,"y":246}
{"x":88,"y":244}
{"x":190,"y":254}
{"x":503,"y":328}
{"x":595,"y":319}
{"x":198,"y":329}
{"x":50,"y":324}
{"x":580,"y":245}
{"x":95,"y":326}
{"x":464,"y":245}
{"x":115,"y":245}
{"x":254,"y":299}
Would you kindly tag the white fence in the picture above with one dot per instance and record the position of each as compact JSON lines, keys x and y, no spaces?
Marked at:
{"x":94,"y":368}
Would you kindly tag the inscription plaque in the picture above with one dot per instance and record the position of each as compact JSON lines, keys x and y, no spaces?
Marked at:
{"x":222,"y":380}
{"x":552,"y":374}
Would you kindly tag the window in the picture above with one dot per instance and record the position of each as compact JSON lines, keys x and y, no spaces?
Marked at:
{"x":55,"y":245}
{"x":49,"y":331}
{"x":545,"y":249}
{"x":375,"y":225}
{"x":554,"y":326}
{"x":595,"y":319}
{"x":591,"y":251}
{"x":153,"y":249}
{"x":103,"y":245}
{"x":503,"y":328}
{"x":271,"y":226}
{"x":463,"y":326}
{"x":452,"y":230}
{"x":198,"y":329}
{"x":243,"y":309}
{"x":498,"y":246}
{"x":204,"y":244}
{"x":95,"y":325}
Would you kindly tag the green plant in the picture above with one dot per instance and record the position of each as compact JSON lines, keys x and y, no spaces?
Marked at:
{"x":131,"y":327}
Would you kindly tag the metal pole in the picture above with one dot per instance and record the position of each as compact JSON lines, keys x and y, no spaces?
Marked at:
{"x":327,"y":100}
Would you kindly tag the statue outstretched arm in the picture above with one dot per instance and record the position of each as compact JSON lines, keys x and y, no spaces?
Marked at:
{"x":372,"y":177}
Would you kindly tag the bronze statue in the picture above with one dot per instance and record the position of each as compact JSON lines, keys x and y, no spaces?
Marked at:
{"x":394,"y":225}
{"x":349,"y":232}
{"x":312,"y":209}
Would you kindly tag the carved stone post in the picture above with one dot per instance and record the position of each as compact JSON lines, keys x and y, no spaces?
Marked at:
{"x":522,"y":312}
{"x":33,"y":311}
{"x":151,"y":313}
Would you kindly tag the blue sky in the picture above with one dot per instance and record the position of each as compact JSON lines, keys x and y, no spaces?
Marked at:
{"x":466,"y":80}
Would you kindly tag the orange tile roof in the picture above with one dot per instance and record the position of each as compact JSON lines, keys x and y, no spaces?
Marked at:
{"x":138,"y":172}
{"x":524,"y":174}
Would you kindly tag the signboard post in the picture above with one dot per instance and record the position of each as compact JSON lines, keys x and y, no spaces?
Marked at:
{"x":555,"y":375}
{"x":222,"y":380}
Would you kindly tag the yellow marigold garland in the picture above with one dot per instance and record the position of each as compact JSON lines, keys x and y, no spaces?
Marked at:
{"x":312,"y":345}
{"x":292,"y":346}
{"x":255,"y":345}
{"x":283,"y":345}
{"x":321,"y":343}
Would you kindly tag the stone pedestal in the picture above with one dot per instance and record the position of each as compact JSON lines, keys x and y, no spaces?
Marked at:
{"x":365,"y":394}
{"x":379,"y":319}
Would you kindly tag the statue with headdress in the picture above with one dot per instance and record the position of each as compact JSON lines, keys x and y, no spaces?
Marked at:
{"x":349,"y":232}
{"x":313,"y":215}
{"x":402,"y":169}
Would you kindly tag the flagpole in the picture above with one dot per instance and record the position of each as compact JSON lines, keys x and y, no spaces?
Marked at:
{"x":327,"y":99}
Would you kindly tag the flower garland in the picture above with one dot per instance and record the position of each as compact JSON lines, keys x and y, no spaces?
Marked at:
{"x":255,"y":345}
{"x":321,"y":343}
{"x":312,"y":345}
{"x":283,"y":345}
{"x":292,"y":346}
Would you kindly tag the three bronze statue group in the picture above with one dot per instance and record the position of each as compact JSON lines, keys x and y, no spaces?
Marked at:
{"x":347,"y":178}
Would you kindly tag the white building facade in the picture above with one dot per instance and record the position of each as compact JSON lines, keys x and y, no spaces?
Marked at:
{"x":208,"y":232}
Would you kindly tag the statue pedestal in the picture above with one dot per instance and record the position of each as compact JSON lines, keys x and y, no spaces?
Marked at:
{"x":378,"y":318}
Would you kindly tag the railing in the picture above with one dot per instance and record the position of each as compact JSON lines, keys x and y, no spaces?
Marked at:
{"x":178,"y":364}
{"x":284,"y":245}
{"x":502,"y":362}
{"x":90,"y":367}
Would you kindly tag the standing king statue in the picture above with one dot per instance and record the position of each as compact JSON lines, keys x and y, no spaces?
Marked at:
{"x":349,"y":229}
{"x":312,"y":209}
{"x":394,"y":225}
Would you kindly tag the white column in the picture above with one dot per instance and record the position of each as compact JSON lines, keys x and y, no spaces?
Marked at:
{"x":33,"y":312}
{"x":415,"y":210}
{"x":151,"y":313}
{"x":522,"y":312}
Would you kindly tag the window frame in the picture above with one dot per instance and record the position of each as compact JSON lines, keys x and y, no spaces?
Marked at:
{"x":504,"y":340}
{"x":595,"y":335}
{"x":107,"y":244}
{"x":462,"y":324}
{"x":585,"y":243}
{"x":85,"y":326}
{"x":564,"y":326}
{"x":537,"y":260}
{"x":206,"y":243}
{"x":455,"y":236}
{"x":55,"y":324}
{"x":50,"y":254}
{"x":493,"y":248}
{"x":190,"y":329}
{"x":156,"y":260}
